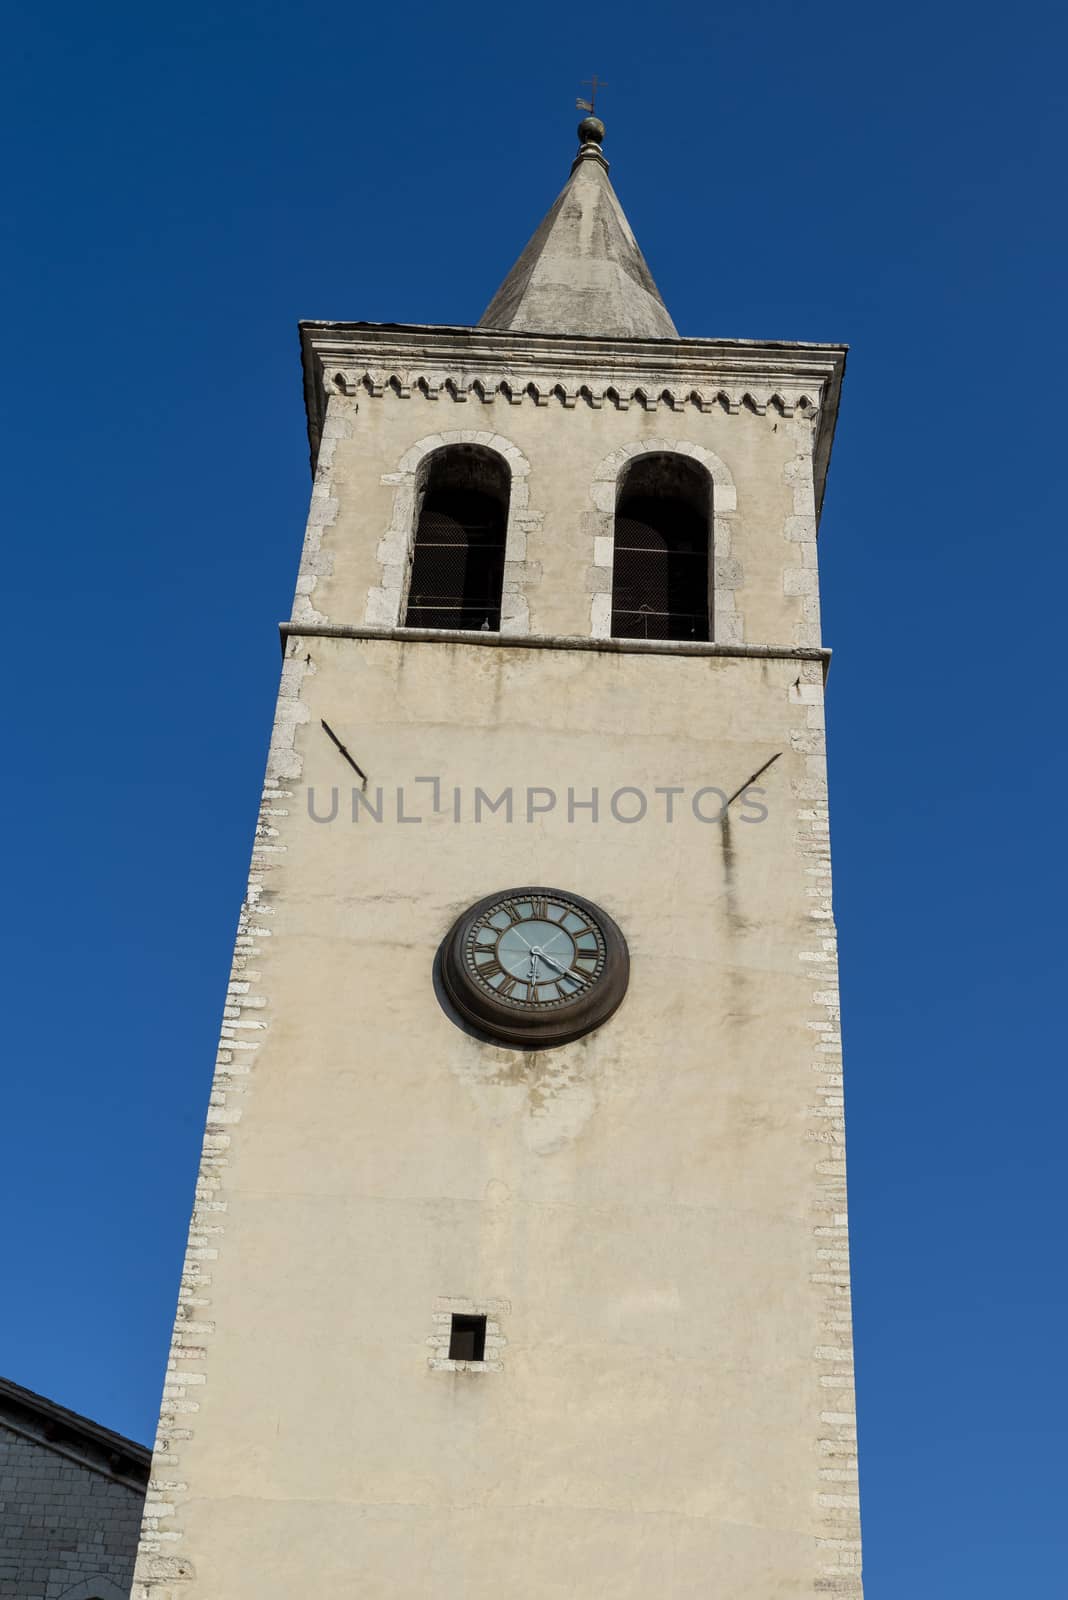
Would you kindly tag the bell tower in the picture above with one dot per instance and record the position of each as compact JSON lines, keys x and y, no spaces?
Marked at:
{"x":518,"y":1263}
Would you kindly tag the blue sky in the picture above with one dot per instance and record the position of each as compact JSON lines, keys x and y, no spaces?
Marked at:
{"x":186,"y":184}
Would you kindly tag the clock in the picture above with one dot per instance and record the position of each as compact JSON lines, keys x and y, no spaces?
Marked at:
{"x":535,"y":966}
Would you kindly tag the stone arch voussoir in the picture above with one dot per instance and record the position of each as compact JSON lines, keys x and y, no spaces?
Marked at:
{"x":99,"y":1588}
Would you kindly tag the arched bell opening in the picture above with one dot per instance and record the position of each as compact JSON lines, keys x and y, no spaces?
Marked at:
{"x":661,"y":570}
{"x":457,"y":572}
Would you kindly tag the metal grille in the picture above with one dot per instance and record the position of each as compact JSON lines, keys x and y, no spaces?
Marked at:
{"x":660,"y":571}
{"x":458,"y":566}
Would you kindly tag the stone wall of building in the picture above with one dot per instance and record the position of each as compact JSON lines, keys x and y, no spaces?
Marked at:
{"x":70,"y":1503}
{"x":653,"y":1215}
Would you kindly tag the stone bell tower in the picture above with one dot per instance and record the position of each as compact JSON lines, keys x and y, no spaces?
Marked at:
{"x":518,"y":1264}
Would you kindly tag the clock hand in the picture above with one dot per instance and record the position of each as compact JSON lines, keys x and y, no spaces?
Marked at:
{"x":568,"y":972}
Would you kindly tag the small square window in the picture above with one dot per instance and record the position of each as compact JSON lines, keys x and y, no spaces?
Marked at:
{"x":467,"y":1342}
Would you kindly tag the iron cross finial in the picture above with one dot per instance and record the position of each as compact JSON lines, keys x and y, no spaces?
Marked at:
{"x":590,"y":105}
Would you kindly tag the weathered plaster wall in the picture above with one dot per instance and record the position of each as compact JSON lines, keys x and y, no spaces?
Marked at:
{"x":656,"y":1214}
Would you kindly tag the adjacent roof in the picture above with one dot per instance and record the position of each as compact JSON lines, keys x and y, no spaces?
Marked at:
{"x":55,"y":1428}
{"x":583,"y":272}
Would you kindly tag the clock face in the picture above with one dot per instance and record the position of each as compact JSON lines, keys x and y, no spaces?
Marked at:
{"x":540,"y":951}
{"x":535,"y":965}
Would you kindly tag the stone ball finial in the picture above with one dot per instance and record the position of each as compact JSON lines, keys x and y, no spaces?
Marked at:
{"x":591,"y":130}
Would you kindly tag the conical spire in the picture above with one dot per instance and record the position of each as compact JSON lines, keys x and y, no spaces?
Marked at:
{"x":583,"y":272}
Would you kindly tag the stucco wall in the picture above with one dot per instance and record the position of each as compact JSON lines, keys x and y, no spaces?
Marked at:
{"x":657,"y":1212}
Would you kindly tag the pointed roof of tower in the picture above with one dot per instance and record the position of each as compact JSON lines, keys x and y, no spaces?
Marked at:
{"x":583,"y":272}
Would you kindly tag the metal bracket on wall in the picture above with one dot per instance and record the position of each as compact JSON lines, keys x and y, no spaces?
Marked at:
{"x":743,"y":787}
{"x":360,"y":773}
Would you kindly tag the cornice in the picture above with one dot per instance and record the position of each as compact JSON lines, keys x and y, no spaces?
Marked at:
{"x":457,"y":365}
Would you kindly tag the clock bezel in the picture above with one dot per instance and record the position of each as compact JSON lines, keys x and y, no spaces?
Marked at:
{"x":544,"y":1024}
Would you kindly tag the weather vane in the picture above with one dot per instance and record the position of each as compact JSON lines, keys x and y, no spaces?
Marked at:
{"x":590,"y":105}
